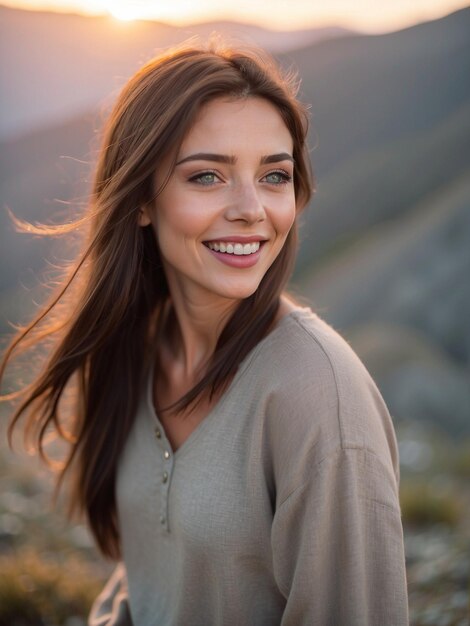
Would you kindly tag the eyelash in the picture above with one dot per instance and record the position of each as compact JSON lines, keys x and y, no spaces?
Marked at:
{"x":286,"y":177}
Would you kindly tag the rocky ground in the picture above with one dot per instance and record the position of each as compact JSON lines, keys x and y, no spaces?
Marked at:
{"x":438,"y":565}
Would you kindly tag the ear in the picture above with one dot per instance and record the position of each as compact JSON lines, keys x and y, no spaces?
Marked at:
{"x":144,"y":217}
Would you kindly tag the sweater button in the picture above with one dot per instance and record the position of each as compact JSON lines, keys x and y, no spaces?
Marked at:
{"x":158,"y":433}
{"x":166,"y":454}
{"x":162,"y":519}
{"x":165,"y":477}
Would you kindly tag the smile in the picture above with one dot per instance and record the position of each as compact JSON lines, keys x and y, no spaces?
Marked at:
{"x":238,"y":249}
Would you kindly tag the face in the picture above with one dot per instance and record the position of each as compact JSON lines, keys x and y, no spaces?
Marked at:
{"x":229,"y":204}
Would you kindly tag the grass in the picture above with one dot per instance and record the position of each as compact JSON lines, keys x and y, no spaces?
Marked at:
{"x":423,"y":505}
{"x":39,"y":588}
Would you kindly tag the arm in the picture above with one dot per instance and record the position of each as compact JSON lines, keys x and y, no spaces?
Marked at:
{"x":111,"y":607}
{"x":337,"y":544}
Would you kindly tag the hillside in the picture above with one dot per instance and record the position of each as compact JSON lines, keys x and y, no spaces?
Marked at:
{"x":401,"y":296}
{"x":382,"y":182}
{"x":369,"y":90}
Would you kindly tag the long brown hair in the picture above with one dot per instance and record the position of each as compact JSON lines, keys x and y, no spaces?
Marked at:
{"x":105,"y":318}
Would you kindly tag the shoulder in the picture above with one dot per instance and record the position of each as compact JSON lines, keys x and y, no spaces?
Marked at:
{"x":320,"y":398}
{"x":304,"y":332}
{"x":305,"y":357}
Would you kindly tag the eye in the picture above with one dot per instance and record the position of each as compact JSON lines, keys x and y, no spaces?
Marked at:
{"x":204,"y":178}
{"x":278,"y":177}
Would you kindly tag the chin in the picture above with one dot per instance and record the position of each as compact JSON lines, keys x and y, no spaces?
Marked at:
{"x":237,"y":292}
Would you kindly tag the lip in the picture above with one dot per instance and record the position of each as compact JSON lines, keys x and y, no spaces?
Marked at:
{"x":236,"y":260}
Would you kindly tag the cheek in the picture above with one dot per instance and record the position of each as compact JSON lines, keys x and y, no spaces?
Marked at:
{"x":178,"y":216}
{"x":284,"y":218}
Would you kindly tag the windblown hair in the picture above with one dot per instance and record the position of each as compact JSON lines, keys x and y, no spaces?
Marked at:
{"x":105,"y":318}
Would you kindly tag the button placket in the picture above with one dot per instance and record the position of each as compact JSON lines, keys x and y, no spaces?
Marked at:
{"x":167,"y":457}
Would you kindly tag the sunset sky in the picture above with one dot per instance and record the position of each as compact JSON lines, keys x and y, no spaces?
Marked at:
{"x":366,"y":15}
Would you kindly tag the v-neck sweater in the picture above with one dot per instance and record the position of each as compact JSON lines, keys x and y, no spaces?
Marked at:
{"x":280,"y":508}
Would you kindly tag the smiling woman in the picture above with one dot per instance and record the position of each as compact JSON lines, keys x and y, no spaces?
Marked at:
{"x":216,"y":206}
{"x":228,"y":447}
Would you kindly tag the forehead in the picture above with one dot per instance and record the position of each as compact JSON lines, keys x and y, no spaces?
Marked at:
{"x":231,"y":126}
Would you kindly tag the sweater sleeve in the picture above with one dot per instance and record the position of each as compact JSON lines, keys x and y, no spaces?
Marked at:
{"x":337,"y":544}
{"x":111,"y":607}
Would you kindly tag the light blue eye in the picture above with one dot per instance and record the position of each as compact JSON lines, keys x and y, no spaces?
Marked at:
{"x":206,"y":178}
{"x":278,"y":178}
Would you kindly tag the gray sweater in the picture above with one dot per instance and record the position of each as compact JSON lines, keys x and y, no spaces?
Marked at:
{"x":281,"y":508}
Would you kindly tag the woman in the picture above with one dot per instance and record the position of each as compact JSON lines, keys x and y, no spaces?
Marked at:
{"x":229,"y":448}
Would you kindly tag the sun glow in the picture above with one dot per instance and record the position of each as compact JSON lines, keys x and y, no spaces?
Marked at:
{"x":126,"y":11}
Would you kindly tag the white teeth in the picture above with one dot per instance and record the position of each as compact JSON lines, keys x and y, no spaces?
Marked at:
{"x":235,"y":248}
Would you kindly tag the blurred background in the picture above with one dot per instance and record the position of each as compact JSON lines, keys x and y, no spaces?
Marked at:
{"x":385,"y":253}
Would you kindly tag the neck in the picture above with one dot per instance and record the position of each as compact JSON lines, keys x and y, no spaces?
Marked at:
{"x":193,"y":331}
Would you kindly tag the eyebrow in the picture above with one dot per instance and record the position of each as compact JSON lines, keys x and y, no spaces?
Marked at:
{"x":231,"y":160}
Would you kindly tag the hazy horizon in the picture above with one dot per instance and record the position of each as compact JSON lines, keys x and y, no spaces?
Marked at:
{"x":363,"y":15}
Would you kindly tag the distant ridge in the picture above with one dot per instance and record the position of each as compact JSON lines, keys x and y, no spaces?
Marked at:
{"x":87,"y":58}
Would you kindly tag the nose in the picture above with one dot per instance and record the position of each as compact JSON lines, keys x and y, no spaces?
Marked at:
{"x":246,"y":204}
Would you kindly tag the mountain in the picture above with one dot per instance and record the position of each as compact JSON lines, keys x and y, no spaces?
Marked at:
{"x":68,"y":63}
{"x":375,"y":99}
{"x":355,"y":83}
{"x":385,"y":254}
